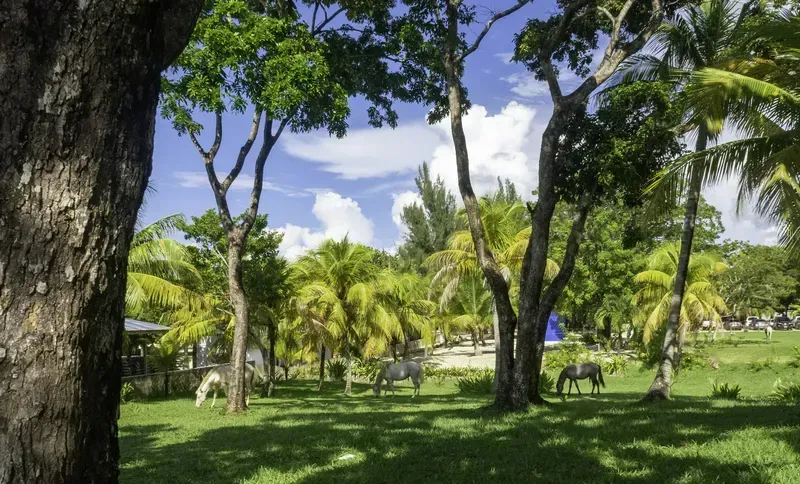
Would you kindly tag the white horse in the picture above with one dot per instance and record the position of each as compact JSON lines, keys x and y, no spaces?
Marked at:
{"x":219,"y":378}
{"x":399,"y":371}
{"x":768,"y":332}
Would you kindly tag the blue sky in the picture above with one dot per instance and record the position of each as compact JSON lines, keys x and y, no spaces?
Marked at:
{"x":318,"y":187}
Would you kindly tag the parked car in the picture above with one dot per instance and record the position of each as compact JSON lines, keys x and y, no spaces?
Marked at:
{"x":750,"y":322}
{"x":732,"y":325}
{"x":782,"y":323}
{"x":760,"y":324}
{"x":706,"y":324}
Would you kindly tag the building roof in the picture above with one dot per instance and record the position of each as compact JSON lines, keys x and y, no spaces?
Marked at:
{"x":133,"y":326}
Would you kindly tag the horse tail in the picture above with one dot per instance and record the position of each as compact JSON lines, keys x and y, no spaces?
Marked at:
{"x":600,"y":376}
{"x":421,"y":374}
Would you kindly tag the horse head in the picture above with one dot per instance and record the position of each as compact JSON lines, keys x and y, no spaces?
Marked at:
{"x":560,"y":390}
{"x":376,"y":390}
{"x":201,"y":397}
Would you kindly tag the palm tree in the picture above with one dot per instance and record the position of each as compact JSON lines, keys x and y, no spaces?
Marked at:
{"x":698,"y":37}
{"x":159,"y":271}
{"x":405,"y":296}
{"x":507,"y":235}
{"x":701,"y":302}
{"x":470,"y":308}
{"x":165,"y":357}
{"x":339,"y":280}
{"x":761,"y":97}
{"x":616,"y":311}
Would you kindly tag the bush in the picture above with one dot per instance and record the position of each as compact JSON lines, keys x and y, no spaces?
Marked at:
{"x":616,"y":365}
{"x":787,"y":393}
{"x":451,"y":371}
{"x":725,"y":391}
{"x":795,"y":363}
{"x":337,"y":369}
{"x":694,"y":360}
{"x":572,"y":350}
{"x":759,"y":365}
{"x":126,"y":392}
{"x":546,"y":383}
{"x":367,"y":369}
{"x":479,"y":382}
{"x":304,"y":372}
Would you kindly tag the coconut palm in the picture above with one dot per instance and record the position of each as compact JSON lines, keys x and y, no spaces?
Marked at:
{"x":339,"y":279}
{"x":701,"y":302}
{"x":470,"y":308}
{"x":694,"y":38}
{"x":761,"y":97}
{"x":405,"y":297}
{"x":159,"y":271}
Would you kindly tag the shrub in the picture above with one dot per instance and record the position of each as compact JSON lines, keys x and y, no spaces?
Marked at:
{"x":725,"y":391}
{"x":546,"y":383}
{"x":337,"y":369}
{"x":126,"y":392}
{"x":759,"y":365}
{"x":367,"y":369}
{"x":571,"y":350}
{"x":694,"y":360}
{"x":304,"y":372}
{"x":787,"y":393}
{"x":795,"y":357}
{"x":478,"y":382}
{"x":451,"y":371}
{"x":616,"y":365}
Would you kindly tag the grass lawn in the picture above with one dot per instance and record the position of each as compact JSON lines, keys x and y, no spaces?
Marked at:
{"x":443,"y":436}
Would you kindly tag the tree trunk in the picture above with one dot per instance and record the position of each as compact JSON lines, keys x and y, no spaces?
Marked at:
{"x":79,"y":85}
{"x":394,"y":349}
{"x":236,"y":389}
{"x":405,"y":346}
{"x":670,"y":353}
{"x":166,"y":383}
{"x":321,"y":367}
{"x":349,"y":384}
{"x":476,"y":348}
{"x":272,"y":375}
{"x":496,"y":329}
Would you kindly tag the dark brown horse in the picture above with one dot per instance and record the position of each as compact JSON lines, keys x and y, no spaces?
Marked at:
{"x":577,"y":372}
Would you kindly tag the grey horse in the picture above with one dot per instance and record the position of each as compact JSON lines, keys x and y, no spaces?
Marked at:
{"x":579,"y":372}
{"x":399,"y":371}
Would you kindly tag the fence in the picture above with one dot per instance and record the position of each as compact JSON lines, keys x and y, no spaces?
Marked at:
{"x":152,"y":384}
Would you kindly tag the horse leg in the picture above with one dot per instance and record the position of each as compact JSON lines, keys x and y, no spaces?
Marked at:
{"x":595,"y":384}
{"x":416,"y":386}
{"x":578,"y":388}
{"x":570,"y":388}
{"x":214,"y":401}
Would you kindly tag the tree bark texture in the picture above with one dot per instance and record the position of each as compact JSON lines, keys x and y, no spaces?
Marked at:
{"x":273,"y":377}
{"x":79,"y":84}
{"x":236,"y":391}
{"x":496,"y":336}
{"x":670,"y":352}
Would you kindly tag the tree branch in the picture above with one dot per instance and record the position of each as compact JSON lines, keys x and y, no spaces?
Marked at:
{"x":558,"y":284}
{"x":494,"y":18}
{"x":607,"y":14}
{"x":552,"y":79}
{"x":217,"y":135}
{"x":197,"y":144}
{"x":327,"y":21}
{"x":243,"y":152}
{"x":566,"y":19}
{"x":314,"y":18}
{"x":258,"y":182}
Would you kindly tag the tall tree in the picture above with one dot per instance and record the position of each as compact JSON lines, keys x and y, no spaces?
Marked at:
{"x":697,"y":37}
{"x":572,"y":34}
{"x":283,"y":69}
{"x":430,"y":223}
{"x":79,"y":84}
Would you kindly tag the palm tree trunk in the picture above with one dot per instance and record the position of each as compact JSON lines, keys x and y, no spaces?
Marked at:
{"x":321,"y":366}
{"x":349,"y":384}
{"x":394,"y":349}
{"x":272,"y":376}
{"x":670,"y":353}
{"x":236,"y":393}
{"x":496,"y":329}
{"x":475,"y":342}
{"x":405,"y":346}
{"x":80,"y":84}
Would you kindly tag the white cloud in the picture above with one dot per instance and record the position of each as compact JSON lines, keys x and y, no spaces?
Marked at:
{"x":505,"y":57}
{"x":526,"y":85}
{"x":367,"y":152}
{"x":338,"y":216}
{"x":199,"y":179}
{"x":504,"y":145}
{"x":746,"y":225}
{"x":402,"y":200}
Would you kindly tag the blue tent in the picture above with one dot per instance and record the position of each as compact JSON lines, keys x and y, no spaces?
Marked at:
{"x":554,"y":331}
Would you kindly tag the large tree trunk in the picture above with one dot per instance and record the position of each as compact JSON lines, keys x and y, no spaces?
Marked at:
{"x":79,"y":84}
{"x":670,"y":352}
{"x":236,"y":389}
{"x":554,"y":291}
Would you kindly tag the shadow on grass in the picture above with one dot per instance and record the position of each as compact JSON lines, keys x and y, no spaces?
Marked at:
{"x":300,"y":436}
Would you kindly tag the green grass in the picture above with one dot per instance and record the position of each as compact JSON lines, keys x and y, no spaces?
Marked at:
{"x":444,"y":436}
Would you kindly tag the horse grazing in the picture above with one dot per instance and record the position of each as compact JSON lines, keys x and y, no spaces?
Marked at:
{"x":577,"y":372}
{"x":219,"y":378}
{"x":768,"y":332}
{"x":399,"y":371}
